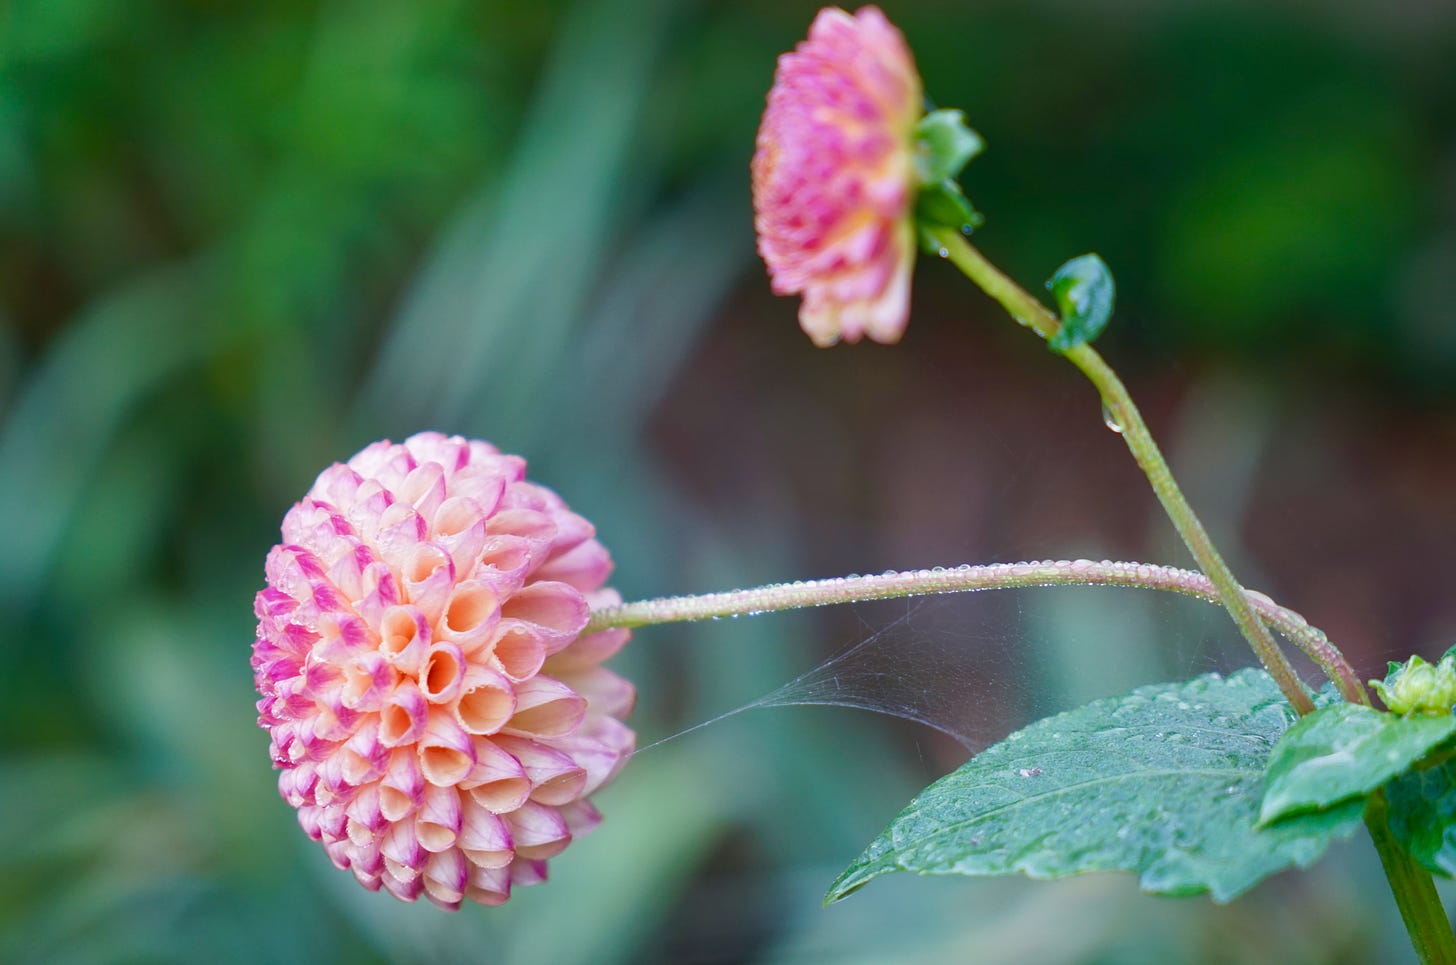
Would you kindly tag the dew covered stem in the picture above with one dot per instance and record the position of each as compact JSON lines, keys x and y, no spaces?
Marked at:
{"x":967,"y":578}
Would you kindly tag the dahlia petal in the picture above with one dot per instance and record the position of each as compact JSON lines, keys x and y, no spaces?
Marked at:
{"x":404,"y":889}
{"x":528,"y":871}
{"x":601,"y":745}
{"x":557,"y":611}
{"x":555,"y":777}
{"x":581,"y":817}
{"x":517,"y":651}
{"x":369,"y":679}
{"x":444,"y":674}
{"x":309,"y":819}
{"x":404,"y":638}
{"x":371,"y":881}
{"x":346,"y":572}
{"x":403,"y":854}
{"x":424,"y":488}
{"x":538,"y":830}
{"x":364,"y":756}
{"x":337,"y":485}
{"x":402,"y":788}
{"x":405,"y":715}
{"x":437,"y":824}
{"x":338,"y":852}
{"x":603,"y":691}
{"x":381,"y":591}
{"x":487,"y":700}
{"x":533,"y":526}
{"x":446,"y":876}
{"x":367,"y":862}
{"x":489,"y":885}
{"x":587,"y":651}
{"x":498,"y":782}
{"x":482,"y":484}
{"x":472,"y":614}
{"x":451,"y":452}
{"x":545,"y":707}
{"x":429,"y":578}
{"x":447,"y":752}
{"x":484,"y":838}
{"x":503,"y":562}
{"x":459,"y":526}
{"x":585,"y":566}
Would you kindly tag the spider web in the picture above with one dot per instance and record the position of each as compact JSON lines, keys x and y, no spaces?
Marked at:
{"x":974,"y":672}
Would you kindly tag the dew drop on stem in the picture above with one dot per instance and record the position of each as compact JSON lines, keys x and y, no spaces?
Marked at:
{"x":1109,"y":419}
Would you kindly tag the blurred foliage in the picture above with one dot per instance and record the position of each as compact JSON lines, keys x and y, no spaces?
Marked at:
{"x":239,"y":242}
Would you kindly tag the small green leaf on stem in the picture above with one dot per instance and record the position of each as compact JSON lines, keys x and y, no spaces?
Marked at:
{"x":1084,"y":293}
{"x":944,"y":145}
{"x":1342,"y":752}
{"x":1164,"y":781}
{"x":1422,"y":815}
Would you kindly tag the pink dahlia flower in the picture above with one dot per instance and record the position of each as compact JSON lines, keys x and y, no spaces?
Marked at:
{"x":834,"y":178}
{"x":439,"y":719}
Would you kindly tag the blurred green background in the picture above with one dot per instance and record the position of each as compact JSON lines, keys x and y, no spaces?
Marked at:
{"x":238,"y":242}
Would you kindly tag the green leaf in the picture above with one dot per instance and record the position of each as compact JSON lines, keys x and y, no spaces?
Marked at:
{"x":1084,"y":293}
{"x":1165,"y":781}
{"x":1344,"y":751}
{"x":1422,"y":815}
{"x":944,"y":144}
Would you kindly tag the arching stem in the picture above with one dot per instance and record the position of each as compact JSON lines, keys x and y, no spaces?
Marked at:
{"x":993,"y":576}
{"x":1122,"y":414}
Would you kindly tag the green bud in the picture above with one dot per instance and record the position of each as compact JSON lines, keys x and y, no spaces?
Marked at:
{"x":1418,"y":687}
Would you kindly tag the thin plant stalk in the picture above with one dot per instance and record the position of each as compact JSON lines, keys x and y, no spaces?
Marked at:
{"x":1123,"y":415}
{"x":1414,"y":892}
{"x":968,"y":578}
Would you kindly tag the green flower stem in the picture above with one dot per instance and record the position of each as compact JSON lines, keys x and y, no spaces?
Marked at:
{"x":1124,"y":415}
{"x":962,"y":579}
{"x":1415,"y":892}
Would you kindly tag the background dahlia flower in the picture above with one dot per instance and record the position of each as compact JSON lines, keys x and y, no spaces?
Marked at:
{"x":439,"y":720}
{"x":834,"y":181}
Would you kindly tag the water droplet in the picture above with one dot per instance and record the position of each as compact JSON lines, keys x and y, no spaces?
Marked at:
{"x":1109,"y":419}
{"x":943,"y":253}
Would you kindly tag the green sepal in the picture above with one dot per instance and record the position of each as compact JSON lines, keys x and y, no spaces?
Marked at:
{"x":1344,"y":751}
{"x":1164,"y":781}
{"x":944,"y":205}
{"x":1084,"y":293}
{"x":944,"y":144}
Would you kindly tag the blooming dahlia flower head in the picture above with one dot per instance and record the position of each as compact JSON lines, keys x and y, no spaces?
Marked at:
{"x":834,"y":181}
{"x":439,"y":719}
